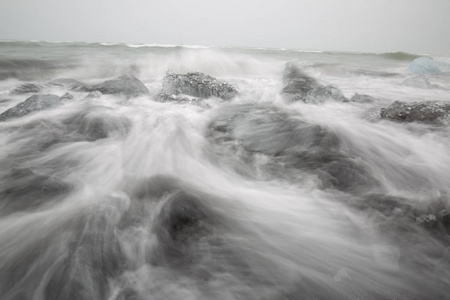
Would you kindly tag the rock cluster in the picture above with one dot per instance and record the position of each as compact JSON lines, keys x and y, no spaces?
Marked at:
{"x":298,"y":86}
{"x":433,"y":112}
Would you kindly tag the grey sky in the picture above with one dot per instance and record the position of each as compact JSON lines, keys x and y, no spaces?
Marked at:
{"x":420,"y":26}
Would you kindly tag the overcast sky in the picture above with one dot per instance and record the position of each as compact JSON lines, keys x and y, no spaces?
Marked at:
{"x":419,"y":26}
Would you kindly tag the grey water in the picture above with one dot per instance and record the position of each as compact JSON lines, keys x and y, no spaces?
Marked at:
{"x":255,"y":197}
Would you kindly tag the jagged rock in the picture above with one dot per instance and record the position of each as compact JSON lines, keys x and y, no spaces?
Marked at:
{"x":128,"y":86}
{"x":197,"y":84}
{"x":32,"y":104}
{"x":26,"y":88}
{"x":301,"y":87}
{"x":433,"y":112}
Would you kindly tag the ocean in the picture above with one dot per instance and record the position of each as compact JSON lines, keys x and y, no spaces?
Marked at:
{"x":254,"y":196}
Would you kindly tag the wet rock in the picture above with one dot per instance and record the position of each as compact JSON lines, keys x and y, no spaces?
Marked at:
{"x":32,"y":104}
{"x":25,"y":190}
{"x":362,"y":98}
{"x":128,"y":86}
{"x":324,"y":93}
{"x":92,"y":257}
{"x":182,"y":222}
{"x":197,"y":84}
{"x":95,"y":123}
{"x":95,"y":127}
{"x":26,"y":88}
{"x":290,"y":146}
{"x":301,"y":87}
{"x":433,"y":112}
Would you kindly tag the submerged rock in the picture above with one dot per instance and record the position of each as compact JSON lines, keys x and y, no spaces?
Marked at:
{"x":66,"y":82}
{"x":32,"y":104}
{"x":361,"y":98}
{"x":434,"y":112}
{"x":26,"y":88}
{"x":24,"y":190}
{"x":128,"y":86}
{"x":302,"y":87}
{"x":290,"y":147}
{"x":197,"y":84}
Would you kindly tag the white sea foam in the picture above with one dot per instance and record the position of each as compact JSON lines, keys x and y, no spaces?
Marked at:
{"x":113,"y":198}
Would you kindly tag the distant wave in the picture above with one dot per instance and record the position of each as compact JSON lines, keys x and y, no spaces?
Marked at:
{"x":400,"y":55}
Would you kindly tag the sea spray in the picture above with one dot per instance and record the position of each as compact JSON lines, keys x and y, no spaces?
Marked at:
{"x":109,"y":196}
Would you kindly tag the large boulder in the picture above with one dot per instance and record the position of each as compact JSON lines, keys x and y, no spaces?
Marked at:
{"x":32,"y":104}
{"x":433,"y":112}
{"x":128,"y":86}
{"x":298,"y":86}
{"x":197,"y":84}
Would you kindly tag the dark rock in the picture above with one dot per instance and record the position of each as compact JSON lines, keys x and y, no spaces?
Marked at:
{"x":128,"y":86}
{"x":26,"y":88}
{"x":302,"y":87}
{"x":197,"y":84}
{"x":433,"y":112}
{"x":32,"y":104}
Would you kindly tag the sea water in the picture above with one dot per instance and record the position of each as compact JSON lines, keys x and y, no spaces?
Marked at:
{"x":250,"y":198}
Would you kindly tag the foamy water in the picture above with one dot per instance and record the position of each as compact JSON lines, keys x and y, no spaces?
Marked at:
{"x":252,"y":198}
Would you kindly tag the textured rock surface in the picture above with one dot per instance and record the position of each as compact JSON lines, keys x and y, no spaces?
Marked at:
{"x":128,"y":86}
{"x":434,"y":112}
{"x":300,"y":87}
{"x":197,"y":84}
{"x":32,"y":104}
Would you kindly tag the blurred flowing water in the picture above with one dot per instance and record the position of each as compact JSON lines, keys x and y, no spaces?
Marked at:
{"x":252,"y":198}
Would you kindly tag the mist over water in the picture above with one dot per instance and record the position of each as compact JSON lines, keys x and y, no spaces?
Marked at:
{"x":256,"y":197}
